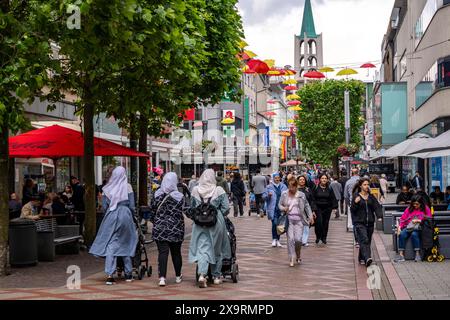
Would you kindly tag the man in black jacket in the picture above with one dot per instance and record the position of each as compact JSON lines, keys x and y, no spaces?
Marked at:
{"x":417,"y":181}
{"x":78,"y":200}
{"x":343,"y":180}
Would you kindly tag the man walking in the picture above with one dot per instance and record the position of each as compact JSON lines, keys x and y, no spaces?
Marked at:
{"x":221,"y":182}
{"x":417,"y":182}
{"x":343,"y":180}
{"x":348,"y":196}
{"x":337,"y":189}
{"x":259,"y":184}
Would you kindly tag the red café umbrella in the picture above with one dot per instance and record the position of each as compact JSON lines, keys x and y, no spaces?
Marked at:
{"x":58,"y":142}
{"x":368,"y":66}
{"x":314,"y":75}
{"x":258,"y":66}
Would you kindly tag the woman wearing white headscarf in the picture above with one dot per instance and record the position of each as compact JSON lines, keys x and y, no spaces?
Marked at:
{"x":117,"y":235}
{"x":210,"y":245}
{"x":168,"y":226}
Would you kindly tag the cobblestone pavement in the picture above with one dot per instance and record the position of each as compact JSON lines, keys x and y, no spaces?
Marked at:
{"x":326,"y":273}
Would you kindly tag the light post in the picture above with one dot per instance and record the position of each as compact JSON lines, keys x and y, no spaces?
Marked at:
{"x":347,"y":125}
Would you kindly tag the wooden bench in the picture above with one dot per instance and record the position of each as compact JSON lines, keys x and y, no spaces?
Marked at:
{"x":441,"y":220}
{"x":56,"y":239}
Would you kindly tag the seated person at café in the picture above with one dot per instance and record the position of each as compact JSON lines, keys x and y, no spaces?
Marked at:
{"x":410,"y":226}
{"x":437,"y":196}
{"x":14,"y":206}
{"x":404,"y":197}
{"x":447,"y":196}
{"x":47,"y":207}
{"x":425,"y":196}
{"x":31,"y":210}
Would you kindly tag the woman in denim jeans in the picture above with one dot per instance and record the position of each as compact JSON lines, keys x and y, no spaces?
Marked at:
{"x":409,"y":222}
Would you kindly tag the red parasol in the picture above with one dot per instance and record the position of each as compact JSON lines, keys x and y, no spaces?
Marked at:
{"x":58,"y":142}
{"x":290,"y":88}
{"x":294,"y":103}
{"x":270,"y":113}
{"x":258,"y":66}
{"x":314,"y":75}
{"x":272,"y":101}
{"x":368,"y":65}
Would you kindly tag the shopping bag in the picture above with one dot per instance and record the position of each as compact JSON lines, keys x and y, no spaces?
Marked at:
{"x":282,"y":225}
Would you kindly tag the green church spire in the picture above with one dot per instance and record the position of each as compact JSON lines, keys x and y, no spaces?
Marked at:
{"x":308,"y":22}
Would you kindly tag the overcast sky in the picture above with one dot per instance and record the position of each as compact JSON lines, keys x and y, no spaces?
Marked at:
{"x":352,"y":29}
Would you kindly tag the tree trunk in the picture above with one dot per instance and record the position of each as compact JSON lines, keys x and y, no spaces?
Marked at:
{"x":11,"y":176}
{"x":335,"y":165}
{"x":143,"y":175}
{"x":133,"y":160}
{"x":89,"y":175}
{"x":4,"y":190}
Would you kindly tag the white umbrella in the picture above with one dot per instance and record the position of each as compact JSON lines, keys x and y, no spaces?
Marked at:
{"x":405,"y":148}
{"x":292,"y":163}
{"x":436,"y":146}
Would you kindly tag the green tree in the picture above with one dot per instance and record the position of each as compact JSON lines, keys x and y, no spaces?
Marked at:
{"x":321,"y":122}
{"x":24,"y":62}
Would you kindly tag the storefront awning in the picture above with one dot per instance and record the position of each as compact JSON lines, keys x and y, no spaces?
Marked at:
{"x":406,"y":147}
{"x":437,"y":147}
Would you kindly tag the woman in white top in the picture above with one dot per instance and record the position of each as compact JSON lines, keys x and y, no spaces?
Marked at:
{"x":299,"y":214}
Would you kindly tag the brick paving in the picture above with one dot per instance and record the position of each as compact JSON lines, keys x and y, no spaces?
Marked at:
{"x":327,"y":273}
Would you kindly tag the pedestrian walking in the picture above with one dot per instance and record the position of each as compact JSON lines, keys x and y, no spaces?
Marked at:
{"x":117,"y":235}
{"x":325,"y":203}
{"x":238,"y":194}
{"x":293,"y":203}
{"x":342,"y":205}
{"x":209,"y":245}
{"x":337,"y":189}
{"x":78,"y":200}
{"x":221,"y":182}
{"x":417,"y":182}
{"x":193,"y":183}
{"x":384,"y":184}
{"x":259,"y":184}
{"x":348,"y":196}
{"x":365,"y":209}
{"x":168,"y":226}
{"x":272,"y":197}
{"x":303,"y":187}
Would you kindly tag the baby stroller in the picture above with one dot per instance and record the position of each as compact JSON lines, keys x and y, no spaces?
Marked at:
{"x":140,"y":260}
{"x":229,"y":266}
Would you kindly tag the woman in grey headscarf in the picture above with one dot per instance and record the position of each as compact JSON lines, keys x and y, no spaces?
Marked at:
{"x":168,"y":226}
{"x":210,"y":245}
{"x":117,"y":236}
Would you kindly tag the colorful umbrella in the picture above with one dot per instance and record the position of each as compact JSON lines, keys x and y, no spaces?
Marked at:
{"x":296,"y":108}
{"x":270,"y":113}
{"x":368,"y":65}
{"x":290,"y":88}
{"x":258,"y":66}
{"x":247,"y":70}
{"x":290,"y":72}
{"x":243,"y":44}
{"x":326,"y":69}
{"x":270,"y":62}
{"x":197,"y":124}
{"x":290,"y":121}
{"x":275,"y":72}
{"x":272,"y":101}
{"x":314,"y":75}
{"x":290,"y":81}
{"x":293,"y":97}
{"x":294,"y":103}
{"x":347,"y":72}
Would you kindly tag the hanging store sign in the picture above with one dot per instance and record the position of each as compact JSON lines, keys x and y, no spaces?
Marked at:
{"x":228,"y":117}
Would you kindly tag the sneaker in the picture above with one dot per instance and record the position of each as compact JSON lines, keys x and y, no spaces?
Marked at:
{"x":291,"y":262}
{"x":279,"y":245}
{"x":324,"y":241}
{"x":129,"y":278}
{"x":418,"y":258}
{"x":299,"y":261}
{"x":317,"y":241}
{"x":202,"y":282}
{"x":305,"y":244}
{"x":362,"y":262}
{"x":162,"y":282}
{"x":217,"y":281}
{"x":369,"y":262}
{"x":274,"y":243}
{"x":356,"y":245}
{"x":110,"y":281}
{"x":179,"y":279}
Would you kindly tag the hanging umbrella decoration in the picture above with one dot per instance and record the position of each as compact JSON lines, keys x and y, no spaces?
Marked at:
{"x":275,"y":72}
{"x":292,"y":97}
{"x":326,"y":70}
{"x":314,"y":75}
{"x":270,"y":114}
{"x":290,"y":88}
{"x":246,"y":69}
{"x":293,"y":103}
{"x":295,"y":108}
{"x":258,"y":66}
{"x":290,"y":81}
{"x":270,"y":62}
{"x":290,"y":72}
{"x":272,"y":101}
{"x":368,"y":66}
{"x":347,"y":72}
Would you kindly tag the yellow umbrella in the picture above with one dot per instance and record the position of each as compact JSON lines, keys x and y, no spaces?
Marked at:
{"x":326,"y":69}
{"x":296,"y":108}
{"x":290,"y":121}
{"x":270,"y":62}
{"x":251,"y":54}
{"x":292,"y":97}
{"x":290,"y":81}
{"x":243,"y":44}
{"x":347,"y":72}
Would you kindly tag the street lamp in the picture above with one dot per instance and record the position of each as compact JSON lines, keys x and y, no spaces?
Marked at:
{"x":347,"y":125}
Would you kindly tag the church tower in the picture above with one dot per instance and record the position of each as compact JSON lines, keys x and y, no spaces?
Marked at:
{"x":308,"y":45}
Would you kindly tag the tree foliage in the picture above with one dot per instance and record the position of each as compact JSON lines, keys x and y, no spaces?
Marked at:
{"x":321,"y":122}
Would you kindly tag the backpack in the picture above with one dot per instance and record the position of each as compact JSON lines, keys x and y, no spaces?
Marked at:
{"x":205,"y":215}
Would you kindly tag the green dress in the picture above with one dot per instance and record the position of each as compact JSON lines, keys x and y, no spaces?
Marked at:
{"x":209,"y":246}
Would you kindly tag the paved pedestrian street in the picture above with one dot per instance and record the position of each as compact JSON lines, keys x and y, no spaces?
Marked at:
{"x":326,"y":273}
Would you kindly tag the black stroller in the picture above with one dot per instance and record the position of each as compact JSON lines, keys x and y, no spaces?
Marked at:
{"x":140,"y":262}
{"x":229,"y":266}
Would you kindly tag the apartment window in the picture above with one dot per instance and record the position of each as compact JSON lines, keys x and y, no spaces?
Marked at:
{"x":425,"y":18}
{"x":437,"y":77}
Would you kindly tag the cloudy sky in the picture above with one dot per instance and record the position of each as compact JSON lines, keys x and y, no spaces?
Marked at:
{"x":352,"y":29}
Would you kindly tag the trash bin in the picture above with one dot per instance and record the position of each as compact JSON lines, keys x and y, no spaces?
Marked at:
{"x":22,"y":242}
{"x":46,"y":247}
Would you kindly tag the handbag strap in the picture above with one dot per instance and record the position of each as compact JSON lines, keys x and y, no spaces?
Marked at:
{"x":164,"y":200}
